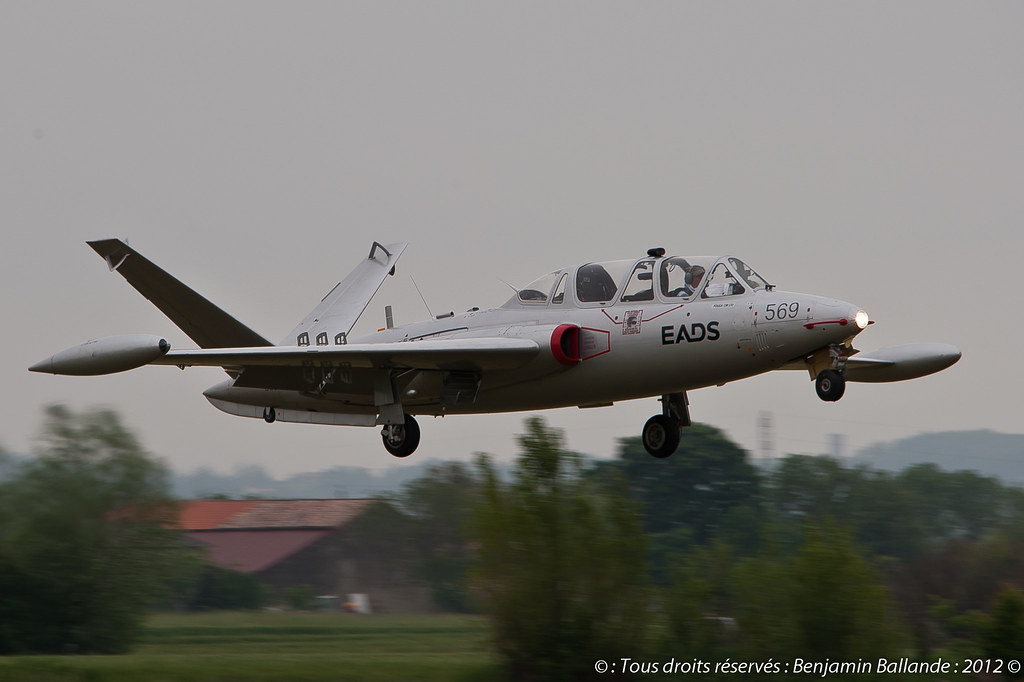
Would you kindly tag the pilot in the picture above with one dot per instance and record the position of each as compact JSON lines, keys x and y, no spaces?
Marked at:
{"x":693,"y":279}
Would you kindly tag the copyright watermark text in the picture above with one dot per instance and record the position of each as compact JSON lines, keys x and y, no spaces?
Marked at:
{"x":801,"y":666}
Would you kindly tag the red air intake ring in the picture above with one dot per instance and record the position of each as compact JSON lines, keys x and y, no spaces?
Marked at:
{"x":565,"y":344}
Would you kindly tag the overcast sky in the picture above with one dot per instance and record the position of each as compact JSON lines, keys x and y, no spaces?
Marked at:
{"x":870,"y":151}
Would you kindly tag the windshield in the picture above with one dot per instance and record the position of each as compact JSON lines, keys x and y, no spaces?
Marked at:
{"x":539,"y":289}
{"x":754,"y":280}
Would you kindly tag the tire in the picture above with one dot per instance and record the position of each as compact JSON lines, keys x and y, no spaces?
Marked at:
{"x":401,"y":440}
{"x":661,"y":436}
{"x":830,"y":385}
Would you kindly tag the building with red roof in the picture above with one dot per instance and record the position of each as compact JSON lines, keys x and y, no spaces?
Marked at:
{"x":336,"y":547}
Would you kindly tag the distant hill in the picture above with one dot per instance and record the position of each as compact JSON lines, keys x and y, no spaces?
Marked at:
{"x":987,"y":452}
{"x":254,"y":481}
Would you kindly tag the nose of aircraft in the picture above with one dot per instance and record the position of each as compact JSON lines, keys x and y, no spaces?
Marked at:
{"x":829,"y":313}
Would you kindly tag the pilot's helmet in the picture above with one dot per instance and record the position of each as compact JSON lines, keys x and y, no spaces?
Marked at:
{"x":694,"y":275}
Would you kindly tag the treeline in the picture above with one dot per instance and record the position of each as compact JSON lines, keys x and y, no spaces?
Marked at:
{"x":700,"y":557}
{"x":936,"y":539}
{"x":706,"y":555}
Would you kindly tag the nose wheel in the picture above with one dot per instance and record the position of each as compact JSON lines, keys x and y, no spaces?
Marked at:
{"x":830,"y":385}
{"x":401,"y":439}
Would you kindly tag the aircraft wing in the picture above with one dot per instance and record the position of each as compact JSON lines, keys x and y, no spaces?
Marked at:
{"x":475,"y":353}
{"x":204,"y":322}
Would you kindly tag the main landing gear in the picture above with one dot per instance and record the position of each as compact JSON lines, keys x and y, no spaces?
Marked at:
{"x":401,"y":439}
{"x":661,"y":435}
{"x":661,"y":432}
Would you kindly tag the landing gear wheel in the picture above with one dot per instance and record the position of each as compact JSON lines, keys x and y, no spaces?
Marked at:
{"x":830,"y":385}
{"x":661,"y":435}
{"x":401,"y":439}
{"x":269,"y":415}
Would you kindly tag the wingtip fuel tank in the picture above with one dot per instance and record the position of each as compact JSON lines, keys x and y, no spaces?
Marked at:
{"x":106,"y":355}
{"x":899,"y":363}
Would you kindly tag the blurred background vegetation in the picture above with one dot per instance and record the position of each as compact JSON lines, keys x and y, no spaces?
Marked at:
{"x":566,"y":560}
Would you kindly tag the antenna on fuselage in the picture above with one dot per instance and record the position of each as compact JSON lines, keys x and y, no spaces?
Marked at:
{"x":508,"y":285}
{"x":429,"y":312}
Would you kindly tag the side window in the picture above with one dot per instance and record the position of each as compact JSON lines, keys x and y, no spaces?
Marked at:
{"x":722,"y":283}
{"x":559,"y":296}
{"x":640,"y":286}
{"x":679,"y":279}
{"x":593,"y":284}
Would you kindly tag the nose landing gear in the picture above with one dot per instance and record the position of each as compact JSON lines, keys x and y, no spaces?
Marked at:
{"x":827,"y":367}
{"x":830,"y":385}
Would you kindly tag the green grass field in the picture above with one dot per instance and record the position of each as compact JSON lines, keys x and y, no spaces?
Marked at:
{"x":306,"y":647}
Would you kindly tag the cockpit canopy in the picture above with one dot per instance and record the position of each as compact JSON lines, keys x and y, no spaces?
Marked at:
{"x":649,"y":279}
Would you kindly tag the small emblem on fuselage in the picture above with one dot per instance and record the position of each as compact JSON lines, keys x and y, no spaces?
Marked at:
{"x":631,"y":321}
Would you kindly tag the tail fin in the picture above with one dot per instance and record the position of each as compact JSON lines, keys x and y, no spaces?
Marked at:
{"x":332,"y":320}
{"x":205,"y":323}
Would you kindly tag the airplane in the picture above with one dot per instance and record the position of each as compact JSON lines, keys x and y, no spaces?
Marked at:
{"x":587,"y":336}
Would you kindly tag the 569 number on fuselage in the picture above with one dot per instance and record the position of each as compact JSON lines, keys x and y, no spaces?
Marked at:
{"x":781,"y":311}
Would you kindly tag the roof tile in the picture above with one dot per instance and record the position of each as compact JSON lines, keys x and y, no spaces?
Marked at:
{"x":266,"y":514}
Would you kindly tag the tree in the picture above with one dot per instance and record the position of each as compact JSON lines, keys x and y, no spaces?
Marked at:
{"x":840,"y":605}
{"x":709,"y":477}
{"x":85,"y":538}
{"x":955,"y":504}
{"x":874,"y":504}
{"x":439,"y":505}
{"x":764,"y":607}
{"x":560,"y":563}
{"x":1003,"y":636}
{"x":707,"y":491}
{"x":697,"y":603}
{"x":824,"y":597}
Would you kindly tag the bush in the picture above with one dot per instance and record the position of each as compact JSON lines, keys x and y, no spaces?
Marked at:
{"x":85,"y":539}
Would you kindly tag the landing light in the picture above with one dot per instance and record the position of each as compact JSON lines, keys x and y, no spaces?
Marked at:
{"x":861,"y":319}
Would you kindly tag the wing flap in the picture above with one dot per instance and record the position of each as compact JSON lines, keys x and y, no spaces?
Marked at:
{"x":479,"y":353}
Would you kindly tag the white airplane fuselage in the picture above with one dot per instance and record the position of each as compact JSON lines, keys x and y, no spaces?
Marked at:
{"x":626,"y":351}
